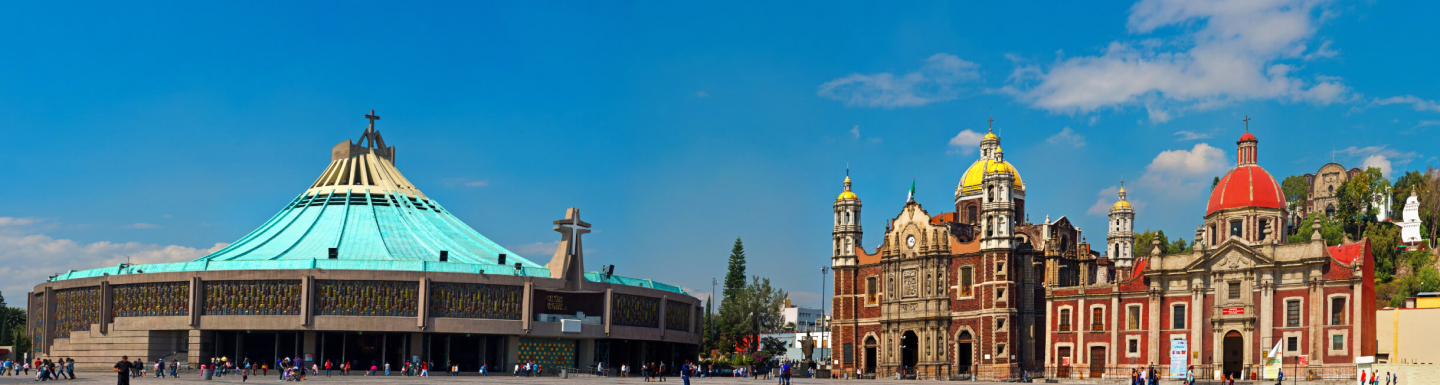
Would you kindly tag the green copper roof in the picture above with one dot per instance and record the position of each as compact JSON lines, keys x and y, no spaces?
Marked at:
{"x":388,"y":226}
{"x":374,"y":218}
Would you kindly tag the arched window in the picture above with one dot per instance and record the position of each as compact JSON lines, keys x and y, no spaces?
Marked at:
{"x":970,"y":214}
{"x":1332,"y":190}
{"x":847,"y":217}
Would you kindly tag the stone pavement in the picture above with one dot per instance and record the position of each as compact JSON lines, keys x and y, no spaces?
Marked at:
{"x":96,"y":377}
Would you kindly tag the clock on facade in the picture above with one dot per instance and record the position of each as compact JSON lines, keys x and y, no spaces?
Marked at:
{"x":910,"y":240}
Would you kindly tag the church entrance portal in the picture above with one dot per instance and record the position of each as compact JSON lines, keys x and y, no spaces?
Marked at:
{"x":965,"y":352}
{"x":1234,"y":353}
{"x":870,"y":355}
{"x":909,"y":349}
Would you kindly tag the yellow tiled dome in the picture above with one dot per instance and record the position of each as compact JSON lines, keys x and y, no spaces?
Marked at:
{"x":975,"y":176}
{"x":1120,"y":205}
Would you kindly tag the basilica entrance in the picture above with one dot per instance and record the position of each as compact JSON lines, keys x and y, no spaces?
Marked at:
{"x":965,"y":352}
{"x":870,"y":355}
{"x":909,"y":351}
{"x":1234,"y":353}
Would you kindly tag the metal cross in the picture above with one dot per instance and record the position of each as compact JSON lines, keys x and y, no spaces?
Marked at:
{"x":1247,"y":123}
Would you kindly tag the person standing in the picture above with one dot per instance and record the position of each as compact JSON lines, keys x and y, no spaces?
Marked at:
{"x":1190,"y":375}
{"x":122,"y":371}
{"x":685,"y":372}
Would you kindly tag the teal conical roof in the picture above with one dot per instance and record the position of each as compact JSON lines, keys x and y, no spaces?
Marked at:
{"x":364,"y":208}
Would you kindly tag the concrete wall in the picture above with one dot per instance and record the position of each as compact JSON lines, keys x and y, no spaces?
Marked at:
{"x":163,"y":336}
{"x":1408,"y":335}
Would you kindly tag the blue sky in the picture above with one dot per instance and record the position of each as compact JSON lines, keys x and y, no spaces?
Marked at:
{"x":162,"y":130}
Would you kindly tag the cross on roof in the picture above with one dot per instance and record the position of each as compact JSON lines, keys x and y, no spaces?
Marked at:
{"x":372,"y":118}
{"x":1247,"y":123}
{"x":574,"y":226}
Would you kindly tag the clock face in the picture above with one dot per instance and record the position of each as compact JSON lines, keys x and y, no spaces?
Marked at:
{"x":910,"y":240}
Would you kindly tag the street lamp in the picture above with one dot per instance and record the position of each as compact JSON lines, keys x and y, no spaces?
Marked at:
{"x":823,"y":271}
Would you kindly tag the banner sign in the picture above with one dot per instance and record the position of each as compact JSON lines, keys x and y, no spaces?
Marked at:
{"x":1179,"y":358}
{"x":1272,"y":361}
{"x":1233,"y":311}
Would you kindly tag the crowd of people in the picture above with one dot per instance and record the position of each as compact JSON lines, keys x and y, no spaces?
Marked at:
{"x":45,"y":370}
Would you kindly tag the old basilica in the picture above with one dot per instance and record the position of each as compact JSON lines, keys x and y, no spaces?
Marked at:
{"x":982,"y":291}
{"x":954,"y":292}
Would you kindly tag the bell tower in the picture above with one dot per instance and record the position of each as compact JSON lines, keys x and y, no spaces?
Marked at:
{"x":847,"y":232}
{"x":997,"y":208}
{"x":1121,"y":238}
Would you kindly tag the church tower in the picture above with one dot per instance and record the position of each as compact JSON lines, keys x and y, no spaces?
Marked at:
{"x":1121,"y":240}
{"x":847,"y":232}
{"x":998,"y":208}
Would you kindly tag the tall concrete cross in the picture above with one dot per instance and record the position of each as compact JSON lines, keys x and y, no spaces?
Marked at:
{"x":370,"y":132}
{"x":568,"y":263}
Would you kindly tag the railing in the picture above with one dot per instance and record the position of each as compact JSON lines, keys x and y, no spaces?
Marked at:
{"x":1097,"y":327}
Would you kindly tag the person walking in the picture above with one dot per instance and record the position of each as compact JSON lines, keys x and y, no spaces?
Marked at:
{"x":1190,"y":375}
{"x":685,"y":372}
{"x":1280,"y":377}
{"x":387,"y":369}
{"x":174,"y":367}
{"x":122,"y":370}
{"x":660,"y":370}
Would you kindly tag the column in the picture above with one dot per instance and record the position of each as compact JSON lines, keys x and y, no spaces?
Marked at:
{"x":307,"y":294}
{"x":1079,"y":315}
{"x":1155,"y":305}
{"x":1356,"y":321}
{"x":1114,"y":327}
{"x":107,"y":306}
{"x":1267,"y":316}
{"x":423,"y":308}
{"x":197,"y":300}
{"x":1197,"y":303}
{"x":526,"y":309}
{"x":664,"y":300}
{"x":609,"y":292}
{"x":309,"y":347}
{"x":417,"y":343}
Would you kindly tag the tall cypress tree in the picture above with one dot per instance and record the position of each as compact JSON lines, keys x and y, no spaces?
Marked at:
{"x":735,"y":278}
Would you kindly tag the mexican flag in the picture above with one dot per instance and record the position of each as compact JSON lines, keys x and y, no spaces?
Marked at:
{"x":911,"y":196}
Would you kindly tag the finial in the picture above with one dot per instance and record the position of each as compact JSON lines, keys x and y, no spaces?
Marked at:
{"x":992,"y":119}
{"x":847,"y":169}
{"x":1247,"y":123}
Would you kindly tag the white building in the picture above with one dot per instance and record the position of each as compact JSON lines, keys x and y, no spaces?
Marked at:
{"x":805,"y":319}
{"x":1410,"y":220}
{"x":794,"y":350}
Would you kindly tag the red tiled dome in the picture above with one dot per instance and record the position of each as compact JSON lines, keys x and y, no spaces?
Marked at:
{"x":1247,"y":138}
{"x":1246,"y":186}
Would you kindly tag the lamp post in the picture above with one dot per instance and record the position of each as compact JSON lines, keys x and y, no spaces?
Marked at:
{"x":710,"y":313}
{"x":823,"y":271}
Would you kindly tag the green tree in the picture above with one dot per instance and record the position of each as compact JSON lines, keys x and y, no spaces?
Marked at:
{"x":753,"y":310}
{"x":1143,"y":241}
{"x":1356,"y":198}
{"x":1214,"y":183}
{"x":773,"y":347}
{"x":1412,"y":180}
{"x":1384,"y":237}
{"x":1429,"y":197}
{"x":1176,"y":247}
{"x":1297,"y":191}
{"x":1331,"y":231}
{"x":735,"y":277}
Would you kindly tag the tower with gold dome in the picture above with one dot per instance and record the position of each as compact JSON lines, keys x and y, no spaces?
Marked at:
{"x":1120,"y":243}
{"x":969,"y":196}
{"x":847,"y":232}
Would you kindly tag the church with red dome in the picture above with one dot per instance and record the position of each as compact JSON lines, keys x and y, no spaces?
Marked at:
{"x":1243,"y":293}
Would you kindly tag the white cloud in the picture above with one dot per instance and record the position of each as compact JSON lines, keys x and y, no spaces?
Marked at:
{"x":1106,"y":198}
{"x":30,"y":257}
{"x":1185,"y":173}
{"x":1229,"y":50}
{"x":12,"y":221}
{"x":938,"y":80}
{"x":1323,"y":52}
{"x":1377,"y":161}
{"x":1415,"y":102}
{"x":1381,"y":157}
{"x":702,"y":94}
{"x":140,"y":226}
{"x":855,"y":132}
{"x":1192,"y":135}
{"x":965,"y":142}
{"x":536,"y":249}
{"x":1067,"y":137}
{"x":464,"y":182}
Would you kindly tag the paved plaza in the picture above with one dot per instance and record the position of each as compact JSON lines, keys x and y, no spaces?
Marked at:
{"x":95,"y":377}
